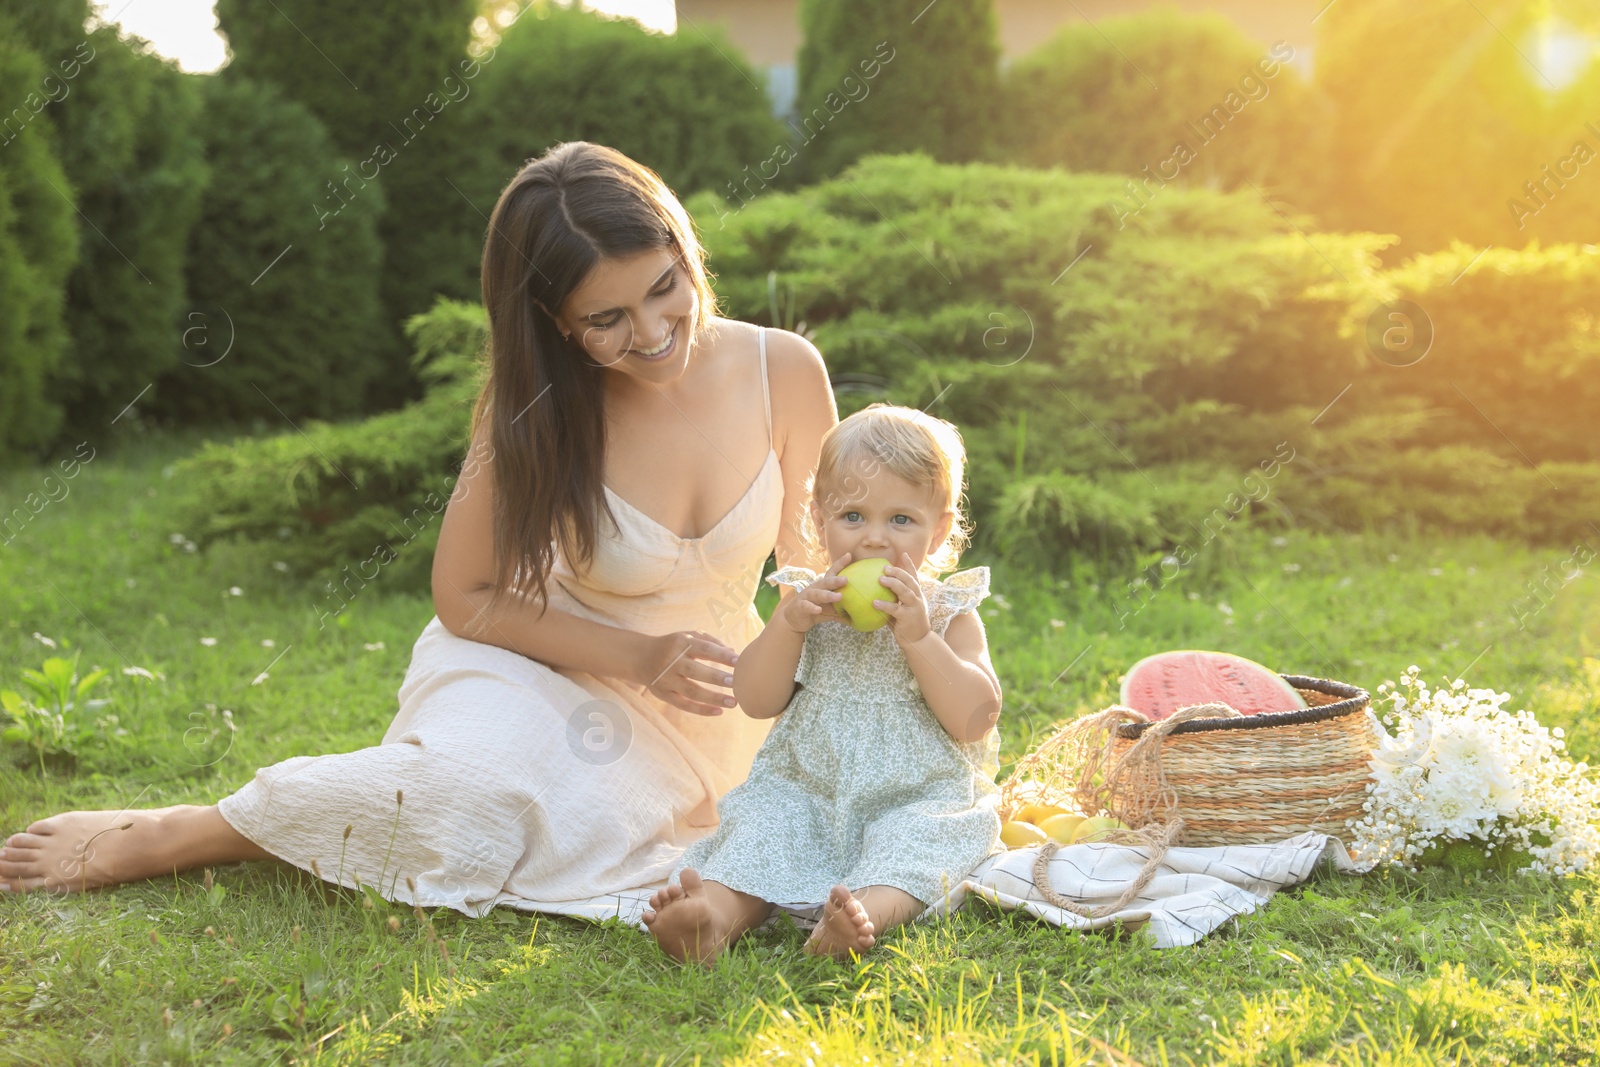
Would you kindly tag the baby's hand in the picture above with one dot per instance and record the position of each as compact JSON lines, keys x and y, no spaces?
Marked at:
{"x":908,"y":618}
{"x":802,"y":611}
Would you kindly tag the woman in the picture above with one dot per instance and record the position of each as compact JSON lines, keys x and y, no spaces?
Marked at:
{"x":563,"y":728}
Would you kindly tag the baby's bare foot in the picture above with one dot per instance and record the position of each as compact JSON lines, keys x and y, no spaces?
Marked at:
{"x":684,"y":922}
{"x":844,"y":927}
{"x":660,"y":899}
{"x":80,"y":850}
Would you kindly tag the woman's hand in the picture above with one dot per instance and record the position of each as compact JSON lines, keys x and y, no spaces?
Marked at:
{"x":677,"y":664}
{"x":815,"y":602}
{"x":908,"y":618}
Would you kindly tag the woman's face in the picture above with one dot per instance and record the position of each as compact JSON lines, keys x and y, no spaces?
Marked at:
{"x":632,"y":315}
{"x":879,"y":515}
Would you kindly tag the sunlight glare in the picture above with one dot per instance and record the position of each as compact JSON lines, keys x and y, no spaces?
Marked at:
{"x":184,"y":30}
{"x":1561,"y":52}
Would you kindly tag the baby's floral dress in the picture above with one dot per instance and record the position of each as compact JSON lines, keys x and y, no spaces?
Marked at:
{"x":858,"y":783}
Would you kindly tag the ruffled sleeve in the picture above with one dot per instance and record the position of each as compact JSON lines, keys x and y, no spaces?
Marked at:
{"x":799,"y":577}
{"x":960,"y":592}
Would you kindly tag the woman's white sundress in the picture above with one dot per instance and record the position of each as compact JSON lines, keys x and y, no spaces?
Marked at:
{"x":503,"y":780}
{"x":858,"y":783}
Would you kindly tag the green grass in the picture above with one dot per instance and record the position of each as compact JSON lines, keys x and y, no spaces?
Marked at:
{"x":269,"y":965}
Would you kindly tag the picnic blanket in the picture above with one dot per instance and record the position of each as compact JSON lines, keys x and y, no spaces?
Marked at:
{"x":1194,"y":891}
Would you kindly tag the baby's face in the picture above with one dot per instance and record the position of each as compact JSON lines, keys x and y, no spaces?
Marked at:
{"x":879,"y":516}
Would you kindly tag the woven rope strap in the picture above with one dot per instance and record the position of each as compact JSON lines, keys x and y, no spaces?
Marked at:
{"x":1134,"y":787}
{"x":1159,"y":839}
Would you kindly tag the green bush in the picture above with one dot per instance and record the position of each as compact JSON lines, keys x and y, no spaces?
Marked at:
{"x":398,"y":131}
{"x":124,"y":124}
{"x":1083,"y":357}
{"x":1125,"y":392}
{"x":1452,"y":487}
{"x":1165,"y":96}
{"x":895,"y":76}
{"x":686,"y":105}
{"x":52,"y":28}
{"x":132,"y":146}
{"x":364,"y":72}
{"x":1052,"y":335}
{"x":344,"y":502}
{"x":1516,"y":356}
{"x":38,"y":247}
{"x":1117,"y":514}
{"x":294,"y":295}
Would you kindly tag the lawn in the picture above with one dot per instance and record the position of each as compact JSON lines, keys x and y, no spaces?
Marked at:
{"x":258,"y":962}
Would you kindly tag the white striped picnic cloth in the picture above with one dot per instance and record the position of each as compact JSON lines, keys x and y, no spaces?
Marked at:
{"x":1194,"y":891}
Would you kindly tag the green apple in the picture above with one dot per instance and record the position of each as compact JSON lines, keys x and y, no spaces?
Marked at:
{"x":861,"y":589}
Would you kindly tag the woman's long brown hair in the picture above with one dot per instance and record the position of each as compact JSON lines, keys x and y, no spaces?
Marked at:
{"x":544,"y":398}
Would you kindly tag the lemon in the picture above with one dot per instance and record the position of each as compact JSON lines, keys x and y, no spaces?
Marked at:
{"x":1096,"y":829}
{"x":1018,"y":834}
{"x":1062,"y":827}
{"x":1038,"y":813}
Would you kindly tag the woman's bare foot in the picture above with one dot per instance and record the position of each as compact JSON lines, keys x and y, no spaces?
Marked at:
{"x":844,"y":927}
{"x":698,"y":920}
{"x":80,"y":850}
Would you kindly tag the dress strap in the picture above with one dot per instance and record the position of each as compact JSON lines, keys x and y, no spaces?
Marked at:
{"x":766,"y":394}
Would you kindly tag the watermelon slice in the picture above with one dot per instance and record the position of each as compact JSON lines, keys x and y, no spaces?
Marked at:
{"x":1161,"y":684}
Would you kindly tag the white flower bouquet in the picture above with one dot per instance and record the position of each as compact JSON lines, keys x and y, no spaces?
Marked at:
{"x":1463,"y":781}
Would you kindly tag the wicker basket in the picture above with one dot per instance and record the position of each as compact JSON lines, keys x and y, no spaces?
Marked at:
{"x":1232,"y":779}
{"x":1265,"y":777}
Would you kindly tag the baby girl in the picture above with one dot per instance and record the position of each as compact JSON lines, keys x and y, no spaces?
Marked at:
{"x":874,"y":794}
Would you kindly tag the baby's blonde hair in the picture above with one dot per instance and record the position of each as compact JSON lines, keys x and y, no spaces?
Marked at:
{"x":922,"y":449}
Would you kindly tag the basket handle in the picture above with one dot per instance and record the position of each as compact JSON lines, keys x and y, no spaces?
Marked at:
{"x":1134,"y":788}
{"x":1158,"y":840}
{"x":1137,"y":773}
